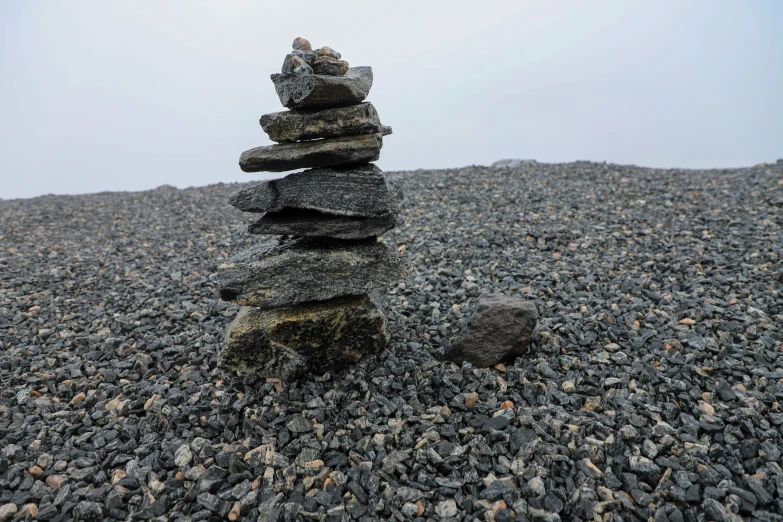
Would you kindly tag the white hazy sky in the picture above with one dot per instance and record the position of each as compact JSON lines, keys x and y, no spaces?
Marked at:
{"x":102,"y":95}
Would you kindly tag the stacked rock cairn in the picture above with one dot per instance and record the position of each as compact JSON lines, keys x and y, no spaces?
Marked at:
{"x":311,"y":298}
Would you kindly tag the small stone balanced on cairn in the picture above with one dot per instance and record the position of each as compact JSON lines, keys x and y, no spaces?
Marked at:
{"x":309,"y":299}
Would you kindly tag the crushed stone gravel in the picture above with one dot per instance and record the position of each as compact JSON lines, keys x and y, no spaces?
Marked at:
{"x":652,"y":390}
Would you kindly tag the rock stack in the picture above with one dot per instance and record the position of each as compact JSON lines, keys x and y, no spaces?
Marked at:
{"x":309,"y":298}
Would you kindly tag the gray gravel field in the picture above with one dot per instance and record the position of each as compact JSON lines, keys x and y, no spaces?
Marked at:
{"x":652,"y":391}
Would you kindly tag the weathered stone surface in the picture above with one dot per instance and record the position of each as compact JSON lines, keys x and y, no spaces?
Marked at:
{"x":311,"y":223}
{"x":289,"y":271}
{"x":329,"y":52}
{"x":298,"y":125}
{"x":310,"y":91}
{"x":499,"y":330}
{"x":312,"y":338}
{"x":346,"y":150}
{"x":361,"y":191}
{"x":330,"y":66}
{"x":301,"y":44}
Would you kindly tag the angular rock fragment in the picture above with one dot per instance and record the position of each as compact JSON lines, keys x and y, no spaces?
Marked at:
{"x":289,"y":271}
{"x":311,"y":338}
{"x":311,"y":223}
{"x":298,"y":125}
{"x":499,"y":330}
{"x":347,"y":150}
{"x":330,"y":66}
{"x":301,"y":44}
{"x":328,"y":52}
{"x":311,"y":91}
{"x":362,"y":191}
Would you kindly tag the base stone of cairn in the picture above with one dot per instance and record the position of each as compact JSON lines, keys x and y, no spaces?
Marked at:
{"x":311,"y":298}
{"x":311,"y":338}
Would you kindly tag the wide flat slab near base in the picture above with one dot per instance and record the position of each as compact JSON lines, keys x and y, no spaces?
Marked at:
{"x":360,"y":191}
{"x":312,"y":338}
{"x":299,"y":91}
{"x":347,"y":150}
{"x":311,"y":223}
{"x":297,"y":125}
{"x":290,"y":271}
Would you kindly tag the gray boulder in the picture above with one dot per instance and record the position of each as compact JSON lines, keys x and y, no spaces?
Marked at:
{"x":499,"y":330}
{"x":298,"y":125}
{"x":311,"y":91}
{"x":311,"y":223}
{"x":289,"y":271}
{"x":361,"y":191}
{"x":347,"y":150}
{"x":512,"y":163}
{"x":312,"y":338}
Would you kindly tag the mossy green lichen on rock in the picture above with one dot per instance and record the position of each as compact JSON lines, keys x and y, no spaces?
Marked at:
{"x":310,"y":338}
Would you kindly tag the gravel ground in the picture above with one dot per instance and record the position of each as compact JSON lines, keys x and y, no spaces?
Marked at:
{"x":652,"y":392}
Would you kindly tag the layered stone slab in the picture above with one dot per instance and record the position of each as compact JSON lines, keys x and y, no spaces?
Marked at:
{"x":312,"y":338}
{"x":311,"y":223}
{"x":361,"y":192}
{"x":299,"y":125}
{"x":290,"y":271}
{"x":346,"y":150}
{"x":298,"y":91}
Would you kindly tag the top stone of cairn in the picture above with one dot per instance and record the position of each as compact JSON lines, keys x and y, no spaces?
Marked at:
{"x":320,"y":79}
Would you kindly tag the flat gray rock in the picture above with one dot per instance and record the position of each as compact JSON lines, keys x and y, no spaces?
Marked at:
{"x":361,"y":191}
{"x":499,"y":330}
{"x":311,"y":223}
{"x":290,"y":271}
{"x":347,"y":150}
{"x":298,"y":125}
{"x":313,"y":90}
{"x":309,"y":339}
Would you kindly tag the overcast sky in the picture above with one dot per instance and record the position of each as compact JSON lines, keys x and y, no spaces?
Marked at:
{"x":102,"y":95}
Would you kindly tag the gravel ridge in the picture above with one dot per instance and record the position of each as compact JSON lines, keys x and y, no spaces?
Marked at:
{"x":652,"y":391}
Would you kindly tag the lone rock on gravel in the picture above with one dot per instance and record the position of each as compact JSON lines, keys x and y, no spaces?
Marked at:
{"x":499,"y":330}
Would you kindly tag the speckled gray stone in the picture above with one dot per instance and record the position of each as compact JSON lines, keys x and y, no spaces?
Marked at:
{"x":311,"y":223}
{"x":347,"y":150}
{"x":361,"y":191}
{"x":298,"y":125}
{"x":314,"y":90}
{"x":290,"y":271}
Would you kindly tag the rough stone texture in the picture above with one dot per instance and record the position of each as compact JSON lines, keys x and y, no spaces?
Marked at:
{"x":330,"y":66}
{"x":287,"y":271}
{"x":312,"y":338}
{"x":347,"y":150}
{"x":632,"y":269}
{"x":310,"y":91}
{"x":500,"y":330}
{"x":301,"y":44}
{"x":311,"y":223}
{"x":362,"y":191}
{"x":328,"y":52}
{"x":298,"y":125}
